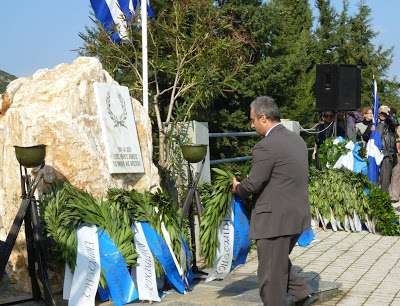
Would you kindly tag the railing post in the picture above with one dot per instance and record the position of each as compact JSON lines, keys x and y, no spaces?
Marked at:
{"x":198,"y":132}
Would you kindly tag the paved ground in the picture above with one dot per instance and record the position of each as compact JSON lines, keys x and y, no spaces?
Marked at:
{"x":367,"y":265}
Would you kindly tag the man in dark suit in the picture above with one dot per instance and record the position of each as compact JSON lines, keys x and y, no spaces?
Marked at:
{"x":278,"y":182}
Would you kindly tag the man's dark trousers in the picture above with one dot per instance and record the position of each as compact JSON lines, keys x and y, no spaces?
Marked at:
{"x":388,"y":163}
{"x":276,"y":275}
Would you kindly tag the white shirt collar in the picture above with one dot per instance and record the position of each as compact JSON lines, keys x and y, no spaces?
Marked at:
{"x":266,"y":134}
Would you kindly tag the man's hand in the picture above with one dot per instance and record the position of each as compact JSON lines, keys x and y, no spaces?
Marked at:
{"x":373,"y":128}
{"x":235,"y":183}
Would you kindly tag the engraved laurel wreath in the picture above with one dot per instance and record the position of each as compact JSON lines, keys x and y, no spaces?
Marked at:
{"x":118,"y":120}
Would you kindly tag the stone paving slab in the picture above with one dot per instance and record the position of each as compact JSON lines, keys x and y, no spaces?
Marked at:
{"x":367,"y":265}
{"x":237,"y":289}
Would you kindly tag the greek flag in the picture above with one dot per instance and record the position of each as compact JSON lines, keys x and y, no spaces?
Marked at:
{"x":374,"y":145}
{"x":113,"y":13}
{"x":149,"y":10}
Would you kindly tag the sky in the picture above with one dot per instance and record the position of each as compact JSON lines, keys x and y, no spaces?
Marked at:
{"x":43,"y":33}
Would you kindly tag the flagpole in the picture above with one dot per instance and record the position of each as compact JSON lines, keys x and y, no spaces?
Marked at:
{"x":145,"y":78}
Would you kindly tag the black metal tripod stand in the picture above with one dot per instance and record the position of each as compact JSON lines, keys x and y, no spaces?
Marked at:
{"x":187,"y":209}
{"x":36,"y":246}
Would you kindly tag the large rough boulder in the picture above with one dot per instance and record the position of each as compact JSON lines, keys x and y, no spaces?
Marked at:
{"x":58,"y":108}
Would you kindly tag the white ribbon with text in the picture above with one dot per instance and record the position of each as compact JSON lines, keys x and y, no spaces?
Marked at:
{"x":144,"y":275}
{"x":223,"y":257}
{"x":87,"y":270}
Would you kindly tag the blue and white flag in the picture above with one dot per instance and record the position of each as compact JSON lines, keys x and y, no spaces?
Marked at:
{"x":374,"y":145}
{"x":149,"y":10}
{"x":114,"y":13}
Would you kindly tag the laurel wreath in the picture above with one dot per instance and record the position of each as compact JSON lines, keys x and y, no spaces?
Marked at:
{"x":118,"y":120}
{"x":329,"y":153}
{"x":64,"y":208}
{"x":141,"y":208}
{"x":216,"y":206}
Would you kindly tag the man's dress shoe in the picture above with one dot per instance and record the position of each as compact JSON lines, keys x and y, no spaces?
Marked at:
{"x":308,"y":300}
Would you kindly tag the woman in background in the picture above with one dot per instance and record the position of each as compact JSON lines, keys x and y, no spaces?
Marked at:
{"x":365,"y":124}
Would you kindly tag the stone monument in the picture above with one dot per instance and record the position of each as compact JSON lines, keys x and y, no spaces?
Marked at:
{"x":58,"y":108}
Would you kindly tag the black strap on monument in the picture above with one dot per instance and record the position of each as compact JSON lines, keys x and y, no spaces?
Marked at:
{"x":35,"y":244}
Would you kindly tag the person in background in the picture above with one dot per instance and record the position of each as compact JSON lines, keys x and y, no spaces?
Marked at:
{"x":278,"y":183}
{"x":325,"y":130}
{"x":365,"y":124}
{"x":386,"y":126}
{"x":349,"y":126}
{"x":394,"y":112}
{"x":394,"y":187}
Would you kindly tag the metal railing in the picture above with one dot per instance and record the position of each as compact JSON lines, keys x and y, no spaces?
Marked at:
{"x":243,"y":158}
{"x":232,"y":134}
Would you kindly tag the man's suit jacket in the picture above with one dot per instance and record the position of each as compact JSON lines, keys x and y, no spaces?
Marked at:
{"x":278,"y":181}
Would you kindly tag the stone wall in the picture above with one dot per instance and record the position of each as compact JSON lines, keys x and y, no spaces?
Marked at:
{"x":57,"y":107}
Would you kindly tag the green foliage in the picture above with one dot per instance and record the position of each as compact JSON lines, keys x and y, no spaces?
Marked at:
{"x":216,"y":207}
{"x":356,"y":47}
{"x":209,"y":60}
{"x":195,"y":54}
{"x":216,"y":199}
{"x":382,"y":208}
{"x":64,"y":208}
{"x":5,"y":79}
{"x":153,"y":209}
{"x":329,"y":152}
{"x":52,"y":209}
{"x":326,"y":33}
{"x":339,"y":189}
{"x":344,"y":192}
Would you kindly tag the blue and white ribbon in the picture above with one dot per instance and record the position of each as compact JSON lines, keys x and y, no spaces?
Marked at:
{"x":120,"y":283}
{"x":186,"y":260}
{"x":144,"y":275}
{"x":242,"y":242}
{"x":161,"y":251}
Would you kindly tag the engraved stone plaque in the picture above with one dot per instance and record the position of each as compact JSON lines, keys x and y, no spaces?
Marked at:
{"x":119,"y":128}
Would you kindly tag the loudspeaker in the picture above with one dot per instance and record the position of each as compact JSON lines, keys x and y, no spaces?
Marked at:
{"x":338,"y":87}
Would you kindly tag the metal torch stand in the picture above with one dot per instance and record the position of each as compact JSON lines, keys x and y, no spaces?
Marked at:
{"x":188,"y":211}
{"x":36,"y":246}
